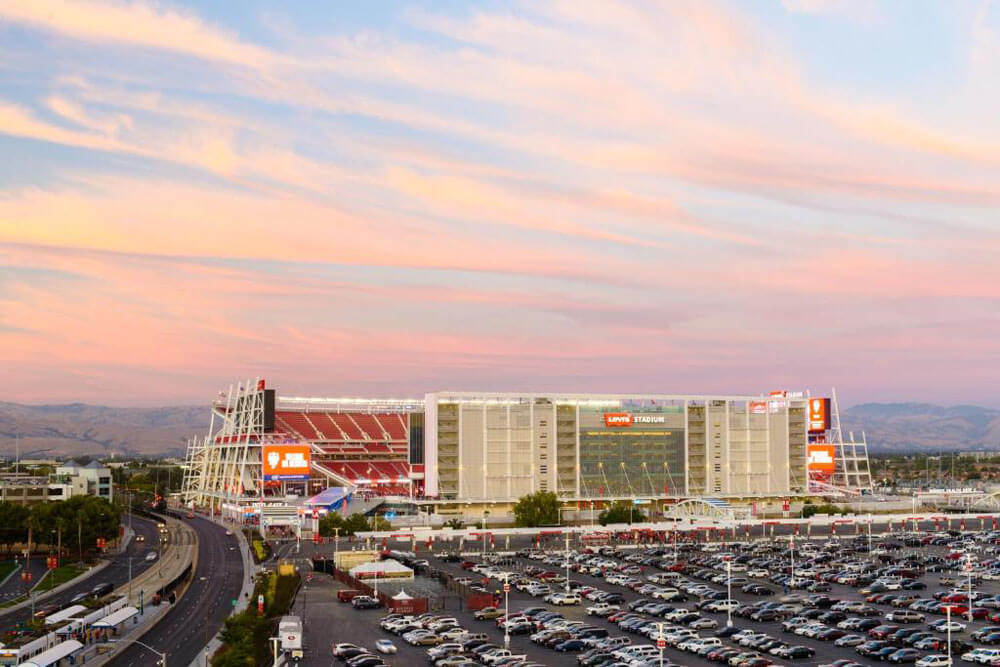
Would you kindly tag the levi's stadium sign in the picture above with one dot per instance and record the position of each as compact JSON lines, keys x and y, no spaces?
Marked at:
{"x":625,"y":419}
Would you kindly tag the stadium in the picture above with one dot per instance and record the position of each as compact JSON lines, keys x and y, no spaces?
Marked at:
{"x":458,"y":452}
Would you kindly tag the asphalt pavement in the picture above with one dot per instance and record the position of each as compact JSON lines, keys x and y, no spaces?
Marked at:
{"x":328,"y":622}
{"x":116,"y":573}
{"x":198,"y":615}
{"x":15,"y":587}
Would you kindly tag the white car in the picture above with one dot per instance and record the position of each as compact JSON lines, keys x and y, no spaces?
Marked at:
{"x":385,"y":646}
{"x":984,"y":656}
{"x":560,"y":599}
{"x":936,"y":660}
{"x":602,"y":609}
{"x":954,"y":626}
{"x":703,"y":624}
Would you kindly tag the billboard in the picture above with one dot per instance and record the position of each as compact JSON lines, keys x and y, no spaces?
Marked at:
{"x":819,"y":415}
{"x":285,"y":462}
{"x":612,"y":419}
{"x":625,"y":419}
{"x":820,"y":458}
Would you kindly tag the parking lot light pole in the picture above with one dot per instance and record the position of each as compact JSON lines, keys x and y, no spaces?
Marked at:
{"x":968,"y":567}
{"x":660,"y":640}
{"x":791,"y":555}
{"x":506,"y":611}
{"x":486,"y":514}
{"x":567,"y":562}
{"x":947,"y":611}
{"x":729,"y":592}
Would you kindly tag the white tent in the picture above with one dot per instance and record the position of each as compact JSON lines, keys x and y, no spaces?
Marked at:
{"x":382,"y":569}
{"x":401,"y":595}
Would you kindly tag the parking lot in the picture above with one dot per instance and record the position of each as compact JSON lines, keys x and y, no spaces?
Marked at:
{"x":835,"y":580}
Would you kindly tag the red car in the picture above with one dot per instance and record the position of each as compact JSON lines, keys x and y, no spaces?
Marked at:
{"x":467,"y":565}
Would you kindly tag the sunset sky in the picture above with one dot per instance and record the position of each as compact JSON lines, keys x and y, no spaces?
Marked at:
{"x":383,"y":198}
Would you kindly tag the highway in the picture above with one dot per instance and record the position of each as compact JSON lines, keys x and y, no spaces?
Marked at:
{"x":116,"y":573}
{"x":199,"y":614}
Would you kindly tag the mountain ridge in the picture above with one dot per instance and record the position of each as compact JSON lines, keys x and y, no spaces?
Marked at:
{"x":77,"y":429}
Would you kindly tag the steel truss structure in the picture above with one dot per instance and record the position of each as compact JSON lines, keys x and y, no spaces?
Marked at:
{"x":852,"y":474}
{"x":225,"y":465}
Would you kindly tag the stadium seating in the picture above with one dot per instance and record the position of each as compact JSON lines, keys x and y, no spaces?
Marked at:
{"x":344,"y":427}
{"x":366,"y":450}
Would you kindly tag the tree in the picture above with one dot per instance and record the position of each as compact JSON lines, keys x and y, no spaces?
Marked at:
{"x":537,"y":509}
{"x":329,"y":524}
{"x":455,"y":523}
{"x":622,"y":511}
{"x":355,"y":523}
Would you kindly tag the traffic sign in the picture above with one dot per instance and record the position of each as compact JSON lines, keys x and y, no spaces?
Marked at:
{"x":506,"y":588}
{"x":661,"y":643}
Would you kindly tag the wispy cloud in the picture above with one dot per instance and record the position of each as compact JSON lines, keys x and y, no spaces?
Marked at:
{"x":559,"y":191}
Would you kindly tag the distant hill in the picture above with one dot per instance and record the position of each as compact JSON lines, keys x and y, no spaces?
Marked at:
{"x":903,"y":427}
{"x":77,"y":429}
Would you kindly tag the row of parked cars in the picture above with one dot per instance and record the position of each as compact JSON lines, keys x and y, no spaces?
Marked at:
{"x":450,"y":644}
{"x":889,"y":571}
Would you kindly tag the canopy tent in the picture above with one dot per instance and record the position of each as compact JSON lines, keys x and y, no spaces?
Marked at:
{"x":402,"y":595}
{"x":382,"y":569}
{"x":331,"y":498}
{"x":117,"y":618}
{"x":53,"y":655}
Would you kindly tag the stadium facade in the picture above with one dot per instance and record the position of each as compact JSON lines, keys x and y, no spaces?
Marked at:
{"x":452,"y":448}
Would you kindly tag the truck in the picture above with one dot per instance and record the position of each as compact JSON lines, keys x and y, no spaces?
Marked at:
{"x":290,"y":633}
{"x":501,"y":654}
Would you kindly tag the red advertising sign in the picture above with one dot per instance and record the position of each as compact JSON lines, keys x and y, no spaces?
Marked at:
{"x":819,"y":415}
{"x":820,"y":458}
{"x":786,"y":505}
{"x":617,"y":419}
{"x":52,"y":562}
{"x":758,"y":407}
{"x":661,"y":643}
{"x":282,"y":462}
